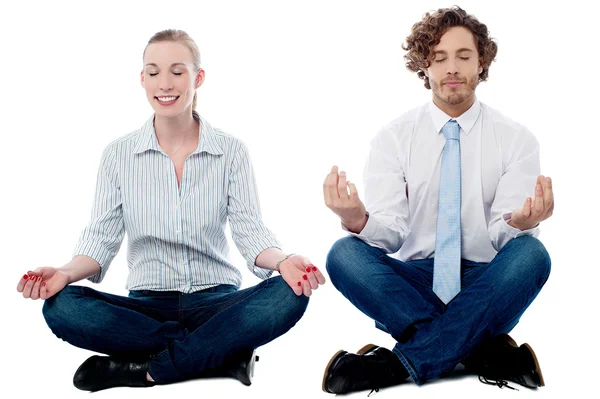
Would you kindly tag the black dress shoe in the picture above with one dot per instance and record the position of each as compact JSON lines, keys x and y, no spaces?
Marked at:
{"x":500,"y":359}
{"x":373,"y":367}
{"x":240,"y":366}
{"x":102,"y":372}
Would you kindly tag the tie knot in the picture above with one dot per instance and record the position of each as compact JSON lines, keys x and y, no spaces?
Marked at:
{"x":451,"y":130}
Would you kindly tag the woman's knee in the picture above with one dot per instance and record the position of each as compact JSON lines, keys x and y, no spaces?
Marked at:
{"x":59,"y":309}
{"x":291,"y":305}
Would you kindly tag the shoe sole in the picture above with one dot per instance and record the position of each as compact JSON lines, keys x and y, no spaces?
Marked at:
{"x":336,"y":356}
{"x":538,"y":369}
{"x":508,"y":339}
{"x":366,"y":349}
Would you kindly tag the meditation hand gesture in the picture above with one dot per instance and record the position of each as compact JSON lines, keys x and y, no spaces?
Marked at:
{"x":42,"y":283}
{"x":341,"y":197}
{"x":531,"y":214}
{"x":301,"y":275}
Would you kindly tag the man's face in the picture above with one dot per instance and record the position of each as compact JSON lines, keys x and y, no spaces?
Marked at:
{"x":454,"y":72}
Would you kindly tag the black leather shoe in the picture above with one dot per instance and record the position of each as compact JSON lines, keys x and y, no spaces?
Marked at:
{"x":373,"y":367}
{"x":240,"y":367}
{"x":500,"y":359}
{"x":102,"y":372}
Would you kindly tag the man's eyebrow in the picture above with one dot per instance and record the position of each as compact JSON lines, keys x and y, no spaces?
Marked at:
{"x":460,"y":50}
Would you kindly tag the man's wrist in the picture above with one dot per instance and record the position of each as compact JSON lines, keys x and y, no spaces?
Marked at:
{"x":357,"y":227}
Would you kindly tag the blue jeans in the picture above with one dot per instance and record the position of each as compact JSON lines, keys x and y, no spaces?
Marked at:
{"x":186,"y":333}
{"x":432,"y":338}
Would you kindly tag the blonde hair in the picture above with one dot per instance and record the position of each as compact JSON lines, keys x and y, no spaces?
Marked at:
{"x":175,"y":35}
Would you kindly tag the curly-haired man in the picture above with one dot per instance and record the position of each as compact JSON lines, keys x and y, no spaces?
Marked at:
{"x":443,"y":254}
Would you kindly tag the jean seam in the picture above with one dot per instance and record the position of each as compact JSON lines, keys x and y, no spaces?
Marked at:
{"x":408,"y":366}
{"x":386,"y":259}
{"x":257,"y":289}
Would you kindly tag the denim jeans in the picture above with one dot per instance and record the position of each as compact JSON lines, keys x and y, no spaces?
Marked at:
{"x":432,"y":338}
{"x":185,"y":333}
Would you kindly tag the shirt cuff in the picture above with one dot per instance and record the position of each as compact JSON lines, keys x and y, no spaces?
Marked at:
{"x":99,"y":254}
{"x":514,"y":232}
{"x":256,"y":250}
{"x":369,"y":231}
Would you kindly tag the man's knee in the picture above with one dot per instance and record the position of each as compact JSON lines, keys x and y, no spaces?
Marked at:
{"x":530,"y":260}
{"x":345,"y":254}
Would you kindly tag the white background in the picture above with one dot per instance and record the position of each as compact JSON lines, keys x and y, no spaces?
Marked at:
{"x":306,"y":85}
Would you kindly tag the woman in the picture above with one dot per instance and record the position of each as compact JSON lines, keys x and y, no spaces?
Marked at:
{"x":172,"y":186}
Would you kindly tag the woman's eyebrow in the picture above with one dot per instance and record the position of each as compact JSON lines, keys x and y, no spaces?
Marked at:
{"x":172,"y":65}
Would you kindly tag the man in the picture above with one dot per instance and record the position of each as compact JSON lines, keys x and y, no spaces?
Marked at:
{"x":446,"y":188}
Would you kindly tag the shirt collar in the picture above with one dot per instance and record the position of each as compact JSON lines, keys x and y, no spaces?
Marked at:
{"x":207,"y":143}
{"x":466,"y":120}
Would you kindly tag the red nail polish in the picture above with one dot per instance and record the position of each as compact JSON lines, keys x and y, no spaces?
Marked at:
{"x":39,"y":278}
{"x":299,"y":283}
{"x":25,"y":277}
{"x":314,"y":268}
{"x":305,"y":277}
{"x":308,"y":270}
{"x":44,"y":284}
{"x":32,"y":278}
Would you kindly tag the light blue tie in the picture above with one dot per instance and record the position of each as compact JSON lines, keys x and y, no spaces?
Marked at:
{"x":446,"y":269}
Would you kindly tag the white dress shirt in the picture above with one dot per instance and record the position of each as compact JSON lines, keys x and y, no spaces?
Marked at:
{"x":176,"y":234}
{"x":499,"y":163}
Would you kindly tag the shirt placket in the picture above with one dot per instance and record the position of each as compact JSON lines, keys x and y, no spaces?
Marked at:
{"x":184,"y":265}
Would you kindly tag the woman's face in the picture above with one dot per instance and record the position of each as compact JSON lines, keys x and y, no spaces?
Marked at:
{"x":170,"y":78}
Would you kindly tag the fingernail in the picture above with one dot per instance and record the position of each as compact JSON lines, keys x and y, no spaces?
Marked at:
{"x":32,"y":278}
{"x":305,"y":277}
{"x":25,"y":277}
{"x":299,"y":283}
{"x":39,"y":278}
{"x":314,"y":269}
{"x":44,"y":284}
{"x":308,"y":270}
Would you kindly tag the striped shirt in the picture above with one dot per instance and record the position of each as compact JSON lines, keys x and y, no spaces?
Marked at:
{"x":176,"y":235}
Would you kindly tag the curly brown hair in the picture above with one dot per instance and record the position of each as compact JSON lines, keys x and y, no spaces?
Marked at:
{"x":427,"y":33}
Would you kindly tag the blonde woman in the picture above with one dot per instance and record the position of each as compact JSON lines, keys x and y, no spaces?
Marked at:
{"x":172,"y":186}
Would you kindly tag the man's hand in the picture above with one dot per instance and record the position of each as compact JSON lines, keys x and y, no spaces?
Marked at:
{"x":345,"y":204}
{"x":533,"y":212}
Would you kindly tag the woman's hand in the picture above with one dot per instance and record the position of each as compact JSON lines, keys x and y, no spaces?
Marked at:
{"x":301,"y":275}
{"x":42,"y":283}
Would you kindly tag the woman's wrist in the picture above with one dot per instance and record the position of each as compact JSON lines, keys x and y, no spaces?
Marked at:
{"x":280,"y":262}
